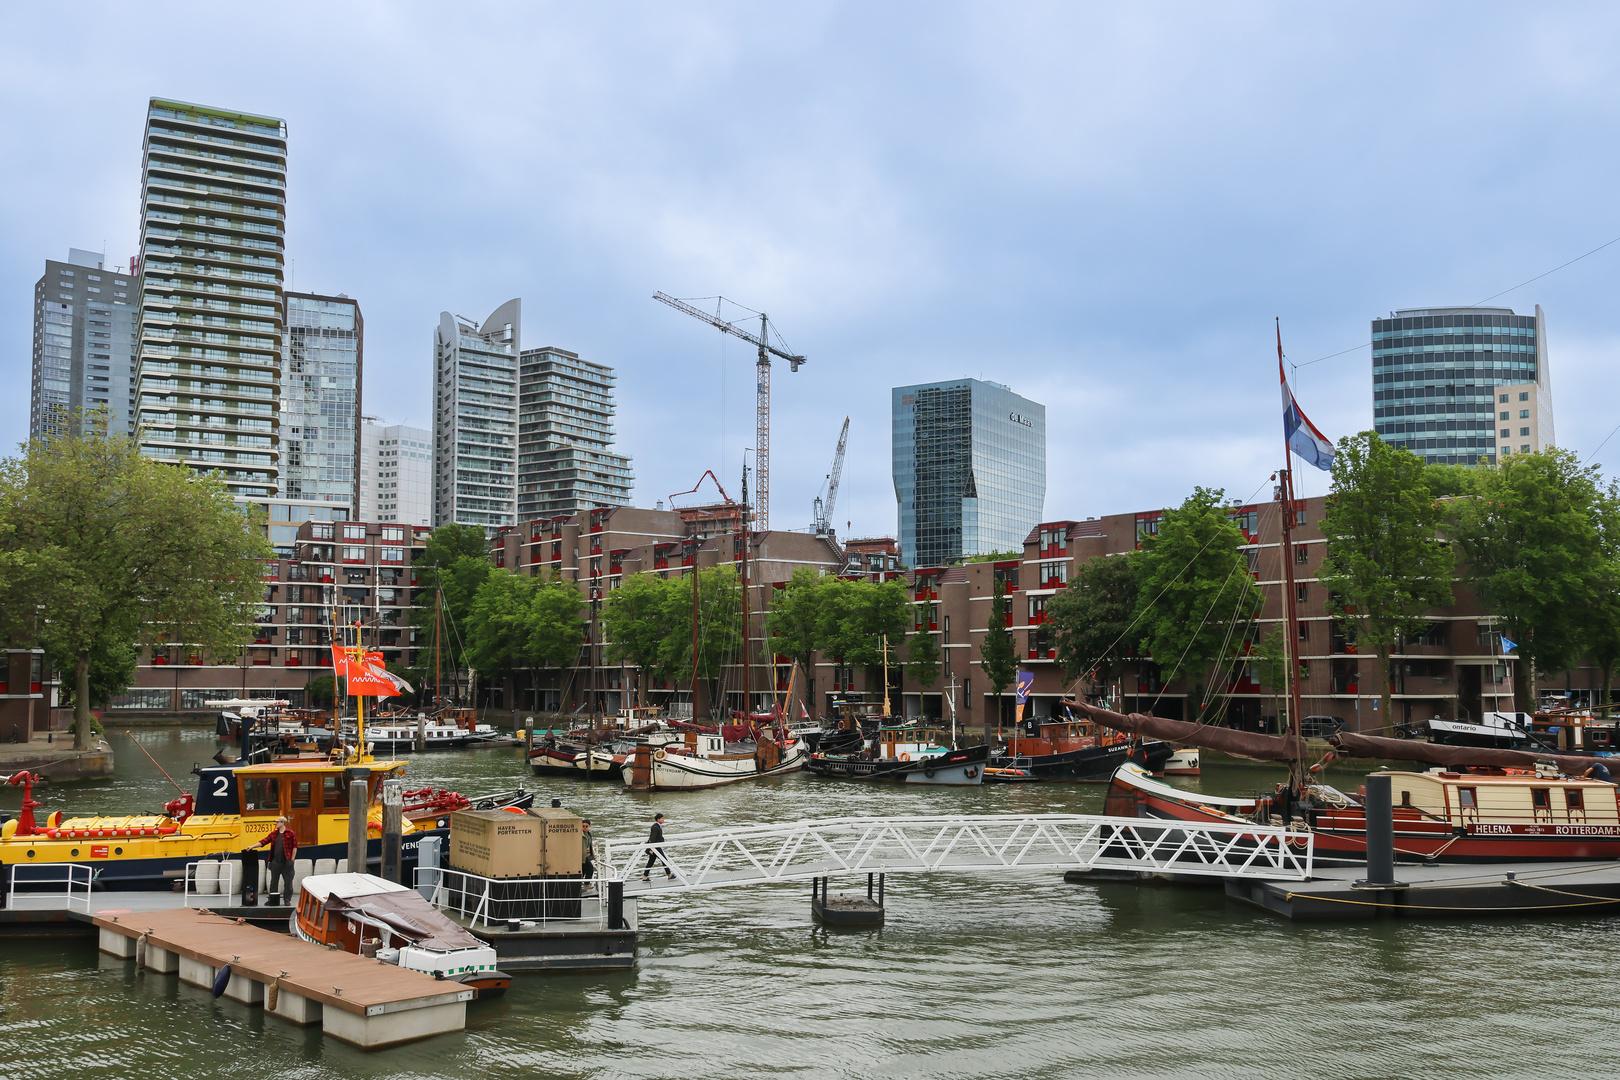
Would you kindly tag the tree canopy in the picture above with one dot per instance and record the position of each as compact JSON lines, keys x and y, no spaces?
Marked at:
{"x":523,"y":622}
{"x":103,"y":549}
{"x":1194,"y":590}
{"x":997,"y":656}
{"x":1533,"y":553}
{"x":1092,"y":619}
{"x":1602,"y":633}
{"x":454,"y":562}
{"x":1385,"y":563}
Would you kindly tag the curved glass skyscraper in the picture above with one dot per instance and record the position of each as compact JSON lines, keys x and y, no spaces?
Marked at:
{"x":969,"y":469}
{"x":1454,"y":385}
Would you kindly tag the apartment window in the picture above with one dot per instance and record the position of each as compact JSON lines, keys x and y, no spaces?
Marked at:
{"x":354,"y":532}
{"x":947,"y":629}
{"x":1302,"y":555}
{"x":1524,"y":433}
{"x":1504,"y":415}
{"x":1301,"y":592}
{"x":1524,"y":414}
{"x":1504,"y":402}
{"x":354,"y":553}
{"x":1304,"y":631}
{"x":1525,"y":396}
{"x":1525,"y":449}
{"x":1507,"y":433}
{"x":393,"y":536}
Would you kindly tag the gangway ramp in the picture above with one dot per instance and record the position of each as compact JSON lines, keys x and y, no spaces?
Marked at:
{"x":977,"y":844}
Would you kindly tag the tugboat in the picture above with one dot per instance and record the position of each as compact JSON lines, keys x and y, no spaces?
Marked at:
{"x":908,"y":755}
{"x":370,"y":916}
{"x":1075,"y":750}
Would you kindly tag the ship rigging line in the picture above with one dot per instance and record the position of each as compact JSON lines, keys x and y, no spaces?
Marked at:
{"x":1162,"y":591}
{"x":1476,"y":303}
{"x":1193,"y":637}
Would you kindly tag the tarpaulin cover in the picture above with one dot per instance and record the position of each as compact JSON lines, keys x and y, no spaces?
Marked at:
{"x":1373,"y":746}
{"x":1247,"y":744}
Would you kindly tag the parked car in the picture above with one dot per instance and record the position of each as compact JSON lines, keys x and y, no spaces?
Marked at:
{"x":1320,"y":727}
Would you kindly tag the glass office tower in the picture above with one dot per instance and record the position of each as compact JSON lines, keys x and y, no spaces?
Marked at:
{"x":969,"y":469}
{"x":320,"y":399}
{"x":208,"y":338}
{"x":1454,"y":385}
{"x":475,"y":376}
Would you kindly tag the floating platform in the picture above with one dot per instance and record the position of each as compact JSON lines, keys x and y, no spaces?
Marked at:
{"x":557,"y":944}
{"x":364,"y":1002}
{"x":49,"y":914}
{"x":1448,"y":891}
{"x":847,"y":909}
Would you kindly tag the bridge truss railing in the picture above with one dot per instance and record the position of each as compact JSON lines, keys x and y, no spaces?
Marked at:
{"x":798,"y":850}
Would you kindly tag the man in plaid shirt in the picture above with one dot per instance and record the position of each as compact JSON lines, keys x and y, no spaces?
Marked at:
{"x":283,"y":850}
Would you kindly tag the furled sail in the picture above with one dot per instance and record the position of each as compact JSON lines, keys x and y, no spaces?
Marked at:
{"x":1373,"y":746}
{"x":1247,"y":744}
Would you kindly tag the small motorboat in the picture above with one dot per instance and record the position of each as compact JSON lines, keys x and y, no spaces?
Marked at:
{"x":1184,"y":762}
{"x":370,"y":916}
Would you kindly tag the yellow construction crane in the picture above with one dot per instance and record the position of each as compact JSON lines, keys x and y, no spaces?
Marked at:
{"x":762,"y":405}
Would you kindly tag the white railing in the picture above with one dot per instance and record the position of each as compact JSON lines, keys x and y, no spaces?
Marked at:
{"x":959,"y":844}
{"x":538,"y":902}
{"x":73,"y":878}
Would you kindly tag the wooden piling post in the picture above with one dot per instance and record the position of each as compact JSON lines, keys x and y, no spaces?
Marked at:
{"x":393,"y":818}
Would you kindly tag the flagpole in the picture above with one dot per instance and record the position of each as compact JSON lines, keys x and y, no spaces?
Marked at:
{"x":1290,"y":599}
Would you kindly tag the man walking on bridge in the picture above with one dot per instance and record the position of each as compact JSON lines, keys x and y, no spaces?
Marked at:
{"x":656,"y":855}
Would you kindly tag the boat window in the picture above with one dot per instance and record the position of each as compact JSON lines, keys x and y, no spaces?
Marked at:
{"x":300,"y":795}
{"x":333,"y":794}
{"x":1573,"y":799}
{"x":261,"y":793}
{"x":1541,"y":798}
{"x":1406,"y":798}
{"x":1466,"y":798}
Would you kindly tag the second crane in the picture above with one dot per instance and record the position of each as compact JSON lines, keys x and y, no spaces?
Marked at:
{"x":762,"y":405}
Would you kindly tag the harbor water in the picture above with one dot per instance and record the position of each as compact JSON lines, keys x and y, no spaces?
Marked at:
{"x":971,"y":976}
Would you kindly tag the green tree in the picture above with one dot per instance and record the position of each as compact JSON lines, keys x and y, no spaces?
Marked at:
{"x":795,"y":622}
{"x":1453,"y":481}
{"x":1532,"y":553}
{"x":1385,"y":564}
{"x":922,"y":658}
{"x":1193,"y":590}
{"x":997,"y":656}
{"x":1268,"y":662}
{"x":1092,"y":620}
{"x":112,"y":669}
{"x":636,"y":622}
{"x":320,"y":691}
{"x":455,"y":564}
{"x":523,"y":622}
{"x":858,"y":616}
{"x":1602,"y":631}
{"x":100,"y":545}
{"x":996,"y":556}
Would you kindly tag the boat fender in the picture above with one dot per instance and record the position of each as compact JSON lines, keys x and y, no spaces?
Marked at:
{"x":140,"y":952}
{"x":222,"y":980}
{"x":659,"y":755}
{"x":971,"y":772}
{"x":929,"y":773}
{"x":272,"y":992}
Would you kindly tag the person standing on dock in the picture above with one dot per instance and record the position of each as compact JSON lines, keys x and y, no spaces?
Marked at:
{"x":656,"y":855}
{"x":283,"y":851}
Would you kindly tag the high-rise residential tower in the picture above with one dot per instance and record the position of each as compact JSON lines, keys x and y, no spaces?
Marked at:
{"x":475,"y":373}
{"x":320,"y":399}
{"x":84,"y":334}
{"x":209,"y":330}
{"x":969,"y":469}
{"x":565,"y":437}
{"x":396,"y":474}
{"x":1454,"y":385}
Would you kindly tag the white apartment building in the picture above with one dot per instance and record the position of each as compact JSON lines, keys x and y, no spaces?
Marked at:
{"x":396,"y":474}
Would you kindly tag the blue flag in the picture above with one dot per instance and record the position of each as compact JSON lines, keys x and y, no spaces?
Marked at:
{"x":1508,"y":644}
{"x":1026,"y":681}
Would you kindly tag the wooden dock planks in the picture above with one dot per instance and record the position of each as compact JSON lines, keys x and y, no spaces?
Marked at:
{"x":362,"y":1001}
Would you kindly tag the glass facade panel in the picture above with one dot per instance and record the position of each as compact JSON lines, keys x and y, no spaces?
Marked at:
{"x":969,"y":461}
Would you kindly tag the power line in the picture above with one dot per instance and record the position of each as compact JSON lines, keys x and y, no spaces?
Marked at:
{"x":1477,"y":303}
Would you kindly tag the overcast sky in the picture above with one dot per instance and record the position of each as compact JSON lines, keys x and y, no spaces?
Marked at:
{"x":1102,"y":206}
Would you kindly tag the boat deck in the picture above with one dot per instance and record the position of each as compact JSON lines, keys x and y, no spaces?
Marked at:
{"x":1447,"y":891}
{"x":360,"y":1001}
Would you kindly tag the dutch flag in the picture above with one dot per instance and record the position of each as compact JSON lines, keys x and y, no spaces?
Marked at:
{"x":1298,"y":431}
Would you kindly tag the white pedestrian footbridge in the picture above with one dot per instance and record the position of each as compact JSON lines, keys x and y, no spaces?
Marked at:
{"x":977,"y":844}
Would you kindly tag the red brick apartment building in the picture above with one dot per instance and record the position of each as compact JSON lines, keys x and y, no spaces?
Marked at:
{"x":356,"y":571}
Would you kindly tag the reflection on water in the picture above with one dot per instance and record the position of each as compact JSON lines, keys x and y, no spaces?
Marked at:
{"x":971,"y":976}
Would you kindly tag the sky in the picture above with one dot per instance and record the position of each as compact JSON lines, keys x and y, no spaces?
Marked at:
{"x":1102,"y":206}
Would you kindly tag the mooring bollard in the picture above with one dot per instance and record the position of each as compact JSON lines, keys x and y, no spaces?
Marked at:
{"x":359,"y":804}
{"x":393,"y":821}
{"x":1380,"y":816}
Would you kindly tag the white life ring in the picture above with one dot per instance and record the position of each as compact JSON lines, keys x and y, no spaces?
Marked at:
{"x":659,"y":755}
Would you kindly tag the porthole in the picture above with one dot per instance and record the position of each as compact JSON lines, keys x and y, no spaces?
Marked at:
{"x":118,"y":851}
{"x":30,"y":853}
{"x":74,"y":853}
